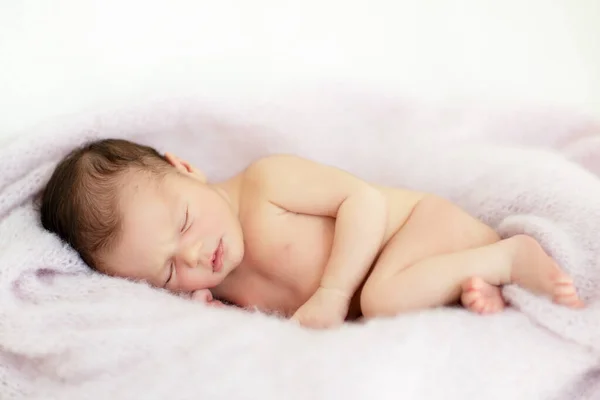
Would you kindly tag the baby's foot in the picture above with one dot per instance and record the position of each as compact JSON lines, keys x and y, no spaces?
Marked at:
{"x":481,"y":297}
{"x":534,"y":270}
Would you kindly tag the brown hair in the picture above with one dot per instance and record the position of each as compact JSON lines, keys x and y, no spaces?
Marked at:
{"x":80,"y":203}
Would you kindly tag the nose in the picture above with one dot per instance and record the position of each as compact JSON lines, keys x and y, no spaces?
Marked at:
{"x":191,"y":254}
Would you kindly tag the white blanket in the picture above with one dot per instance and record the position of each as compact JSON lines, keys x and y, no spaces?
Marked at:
{"x":66,"y":333}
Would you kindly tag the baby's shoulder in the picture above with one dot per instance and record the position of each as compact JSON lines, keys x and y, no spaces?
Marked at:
{"x":262,"y":182}
{"x":272,"y":165}
{"x":258,"y":179}
{"x":268,"y":172}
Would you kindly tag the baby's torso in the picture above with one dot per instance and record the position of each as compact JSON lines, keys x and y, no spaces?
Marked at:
{"x":286,"y":253}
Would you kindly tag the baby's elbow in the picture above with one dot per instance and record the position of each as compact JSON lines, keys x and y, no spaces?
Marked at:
{"x":374,"y":200}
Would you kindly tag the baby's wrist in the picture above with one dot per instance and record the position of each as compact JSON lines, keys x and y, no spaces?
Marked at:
{"x":345,"y":294}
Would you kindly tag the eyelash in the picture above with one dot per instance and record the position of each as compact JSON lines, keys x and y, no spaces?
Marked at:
{"x":171,"y":271}
{"x":183,"y":229}
{"x":185,"y":222}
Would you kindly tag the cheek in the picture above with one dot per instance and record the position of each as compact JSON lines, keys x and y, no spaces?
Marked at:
{"x":212,"y":221}
{"x":207,"y":227}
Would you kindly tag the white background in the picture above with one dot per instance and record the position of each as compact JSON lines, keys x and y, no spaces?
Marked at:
{"x":64,"y":56}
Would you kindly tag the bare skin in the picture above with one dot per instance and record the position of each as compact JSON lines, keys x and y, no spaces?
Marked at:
{"x":319,"y":245}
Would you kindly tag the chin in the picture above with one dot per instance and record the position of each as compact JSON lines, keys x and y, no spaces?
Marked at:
{"x":231,"y":266}
{"x":234,"y":258}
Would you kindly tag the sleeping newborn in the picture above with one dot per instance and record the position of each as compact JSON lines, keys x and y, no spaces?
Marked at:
{"x":287,"y":236}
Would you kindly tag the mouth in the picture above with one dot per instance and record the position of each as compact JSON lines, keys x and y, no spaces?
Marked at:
{"x":217,"y":258}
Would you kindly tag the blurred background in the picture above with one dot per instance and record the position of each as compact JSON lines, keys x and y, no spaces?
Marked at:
{"x":65,"y":56}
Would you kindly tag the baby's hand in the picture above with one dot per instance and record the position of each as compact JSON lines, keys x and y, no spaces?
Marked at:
{"x":205,"y":296}
{"x":326,"y":308}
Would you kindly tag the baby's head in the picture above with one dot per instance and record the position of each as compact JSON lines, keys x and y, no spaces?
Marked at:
{"x":132,"y":212}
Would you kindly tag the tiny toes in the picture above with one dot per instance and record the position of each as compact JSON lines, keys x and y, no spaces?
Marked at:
{"x":474,"y":301}
{"x":471,"y":300}
{"x":571,"y":300}
{"x":564,"y":280}
{"x":494,"y":307}
{"x":478,"y":306}
{"x":481,"y":297}
{"x":489,"y":308}
{"x":565,"y":293}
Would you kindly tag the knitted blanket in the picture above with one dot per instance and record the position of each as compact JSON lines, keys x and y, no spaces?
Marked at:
{"x":68,"y":333}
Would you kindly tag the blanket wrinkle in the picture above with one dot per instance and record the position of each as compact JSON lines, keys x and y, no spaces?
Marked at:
{"x":68,"y":333}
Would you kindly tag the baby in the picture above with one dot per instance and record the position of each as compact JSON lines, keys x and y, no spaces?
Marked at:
{"x":287,"y":236}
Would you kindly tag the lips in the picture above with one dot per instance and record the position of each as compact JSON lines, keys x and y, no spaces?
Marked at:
{"x":217,"y":258}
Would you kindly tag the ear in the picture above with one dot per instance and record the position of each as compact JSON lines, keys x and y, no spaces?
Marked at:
{"x":185,"y":167}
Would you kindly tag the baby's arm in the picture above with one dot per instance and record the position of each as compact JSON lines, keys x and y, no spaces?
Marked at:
{"x":302,"y":186}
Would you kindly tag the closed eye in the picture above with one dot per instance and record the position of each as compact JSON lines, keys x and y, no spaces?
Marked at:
{"x":171,"y":271}
{"x":185,"y":221}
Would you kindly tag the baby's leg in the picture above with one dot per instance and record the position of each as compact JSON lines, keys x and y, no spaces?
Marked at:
{"x":431,"y":261}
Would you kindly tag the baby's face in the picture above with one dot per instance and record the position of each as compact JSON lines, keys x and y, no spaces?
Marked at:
{"x":177,"y":233}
